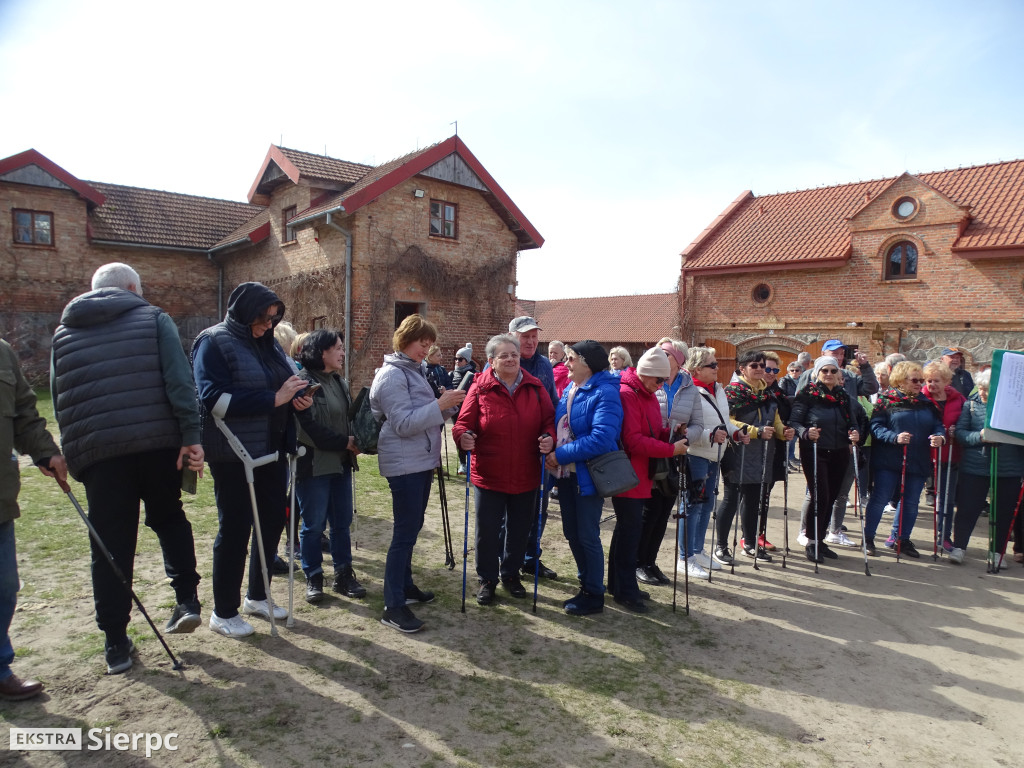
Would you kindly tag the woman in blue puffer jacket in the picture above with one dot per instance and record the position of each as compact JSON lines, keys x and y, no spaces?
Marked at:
{"x":905,"y":426}
{"x":588,"y":422}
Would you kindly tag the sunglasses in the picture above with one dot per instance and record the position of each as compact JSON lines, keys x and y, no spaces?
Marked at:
{"x":659,"y":380}
{"x":773,"y":370}
{"x":916,"y":381}
{"x":829,"y":370}
{"x":756,"y":365}
{"x":264,"y":319}
{"x":710,"y":365}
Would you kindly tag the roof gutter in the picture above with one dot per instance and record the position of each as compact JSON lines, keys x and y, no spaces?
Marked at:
{"x":123,"y":244}
{"x":348,"y":283}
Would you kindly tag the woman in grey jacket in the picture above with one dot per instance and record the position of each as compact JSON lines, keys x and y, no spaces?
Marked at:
{"x":409,"y":449}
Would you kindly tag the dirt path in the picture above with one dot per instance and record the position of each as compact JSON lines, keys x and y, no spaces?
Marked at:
{"x":919,"y":662}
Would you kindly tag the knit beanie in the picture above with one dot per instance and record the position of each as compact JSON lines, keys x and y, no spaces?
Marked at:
{"x":593,"y":354}
{"x":466,"y":353}
{"x":820,"y":363}
{"x":654,"y":363}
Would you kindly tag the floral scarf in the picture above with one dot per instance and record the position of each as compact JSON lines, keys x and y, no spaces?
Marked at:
{"x":835,"y":396}
{"x":741,"y":395}
{"x":896,"y":399}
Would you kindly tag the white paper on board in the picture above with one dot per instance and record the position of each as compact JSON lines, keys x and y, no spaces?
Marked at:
{"x":1008,"y":405}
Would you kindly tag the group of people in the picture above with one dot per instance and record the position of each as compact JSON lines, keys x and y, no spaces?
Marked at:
{"x":134,"y":415}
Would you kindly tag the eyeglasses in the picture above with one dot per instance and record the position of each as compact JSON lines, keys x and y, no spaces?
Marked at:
{"x":710,"y":365}
{"x":772,"y":370}
{"x":916,"y":381}
{"x":659,"y":380}
{"x":829,"y":370}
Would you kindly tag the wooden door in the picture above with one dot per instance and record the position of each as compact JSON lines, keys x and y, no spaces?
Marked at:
{"x":725,"y":353}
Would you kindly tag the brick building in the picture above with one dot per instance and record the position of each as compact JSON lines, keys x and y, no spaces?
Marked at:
{"x":909,"y":264}
{"x":429,"y":232}
{"x":633,"y":322}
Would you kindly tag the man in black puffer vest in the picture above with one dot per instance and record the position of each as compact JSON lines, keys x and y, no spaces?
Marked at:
{"x":125,"y":403}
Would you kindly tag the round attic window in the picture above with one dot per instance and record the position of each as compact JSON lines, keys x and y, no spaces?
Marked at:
{"x":762,"y":293}
{"x":905,"y":208}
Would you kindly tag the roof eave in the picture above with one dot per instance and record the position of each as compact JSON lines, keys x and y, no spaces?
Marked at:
{"x":33,"y":157}
{"x":1014,"y":250}
{"x":774,"y":266}
{"x":275,"y":155}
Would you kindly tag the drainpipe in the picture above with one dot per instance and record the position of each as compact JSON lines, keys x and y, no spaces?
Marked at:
{"x":348,"y":288}
{"x":220,"y":285}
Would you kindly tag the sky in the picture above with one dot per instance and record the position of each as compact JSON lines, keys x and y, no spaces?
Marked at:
{"x":620,"y":130}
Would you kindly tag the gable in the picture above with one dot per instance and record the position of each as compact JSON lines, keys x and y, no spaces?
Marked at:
{"x":33,"y":175}
{"x":907,"y":202}
{"x":454,"y":170}
{"x":32,"y":168}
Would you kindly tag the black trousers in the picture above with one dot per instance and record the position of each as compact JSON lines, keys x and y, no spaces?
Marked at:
{"x":971,"y":491}
{"x":735,"y":494}
{"x":114,"y":489}
{"x":657,"y":511}
{"x":832,"y":464}
{"x":234,"y":511}
{"x":502,"y":528}
{"x":629,"y":524}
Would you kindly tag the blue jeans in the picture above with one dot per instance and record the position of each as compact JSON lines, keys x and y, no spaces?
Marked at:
{"x":887,"y":482}
{"x":581,"y":524}
{"x":409,"y":496}
{"x":325,"y":500}
{"x":699,"y":515}
{"x":8,"y":595}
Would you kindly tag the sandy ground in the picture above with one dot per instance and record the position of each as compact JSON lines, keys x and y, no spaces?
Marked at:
{"x":920,"y":662}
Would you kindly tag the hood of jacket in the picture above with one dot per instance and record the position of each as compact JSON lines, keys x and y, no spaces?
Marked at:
{"x":404,"y":361}
{"x":100,"y":306}
{"x":249,"y":300}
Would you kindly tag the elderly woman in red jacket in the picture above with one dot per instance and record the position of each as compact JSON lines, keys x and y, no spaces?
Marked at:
{"x":938,"y":378}
{"x":643,"y":439}
{"x":507,"y":421}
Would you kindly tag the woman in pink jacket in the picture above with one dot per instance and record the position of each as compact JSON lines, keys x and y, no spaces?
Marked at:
{"x":643,"y":438}
{"x":938,"y":388}
{"x":507,"y":421}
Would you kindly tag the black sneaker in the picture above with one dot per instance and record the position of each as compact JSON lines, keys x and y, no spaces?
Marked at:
{"x":814,"y":558}
{"x":761,"y":555}
{"x":346,"y":583}
{"x":723,"y":556}
{"x":634,"y":604}
{"x":655,"y":571}
{"x":485,"y":595}
{"x":417,"y":595}
{"x":869,"y":547}
{"x":402,"y":619}
{"x":584,"y":604}
{"x":119,"y":656}
{"x":514,"y":586}
{"x":907,"y":548}
{"x":315,"y":588}
{"x":543,"y":571}
{"x":644,"y":576}
{"x":185,"y":618}
{"x":824,"y":551}
{"x":279,"y":566}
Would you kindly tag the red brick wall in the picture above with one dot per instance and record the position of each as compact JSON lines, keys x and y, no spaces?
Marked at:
{"x":949,"y":295}
{"x":309,"y":274}
{"x":37,"y":282}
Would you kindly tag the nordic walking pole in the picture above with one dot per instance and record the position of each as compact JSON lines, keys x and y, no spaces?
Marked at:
{"x":355,"y":514}
{"x":785,"y":514}
{"x":736,"y":519}
{"x":681,"y":512}
{"x":446,"y":528}
{"x":761,"y":503}
{"x":945,"y":500}
{"x":714,"y":514}
{"x":447,"y":466}
{"x":291,"y":537}
{"x":857,"y":509}
{"x":175,"y":663}
{"x":465,"y":531}
{"x":992,"y":499}
{"x":249,"y":464}
{"x":903,"y":504}
{"x":1009,"y":532}
{"x":937,"y":475}
{"x":540,"y":514}
{"x":817,"y":503}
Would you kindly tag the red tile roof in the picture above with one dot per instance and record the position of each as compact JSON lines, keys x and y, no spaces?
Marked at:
{"x":152,"y":217}
{"x":386,"y":176}
{"x":639,"y":319}
{"x":810,"y":226}
{"x":325,"y":168}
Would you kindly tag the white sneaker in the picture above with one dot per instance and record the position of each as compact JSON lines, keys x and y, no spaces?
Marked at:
{"x":259,"y":608}
{"x":889,"y":509}
{"x":695,"y":570}
{"x":802,"y":539}
{"x":841,"y":539}
{"x":831,"y":538}
{"x":956,"y":555}
{"x":706,"y":561}
{"x":849,"y":503}
{"x":236,"y":626}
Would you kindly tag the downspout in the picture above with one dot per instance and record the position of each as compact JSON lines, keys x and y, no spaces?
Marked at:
{"x":348,"y":288}
{"x":220,"y":285}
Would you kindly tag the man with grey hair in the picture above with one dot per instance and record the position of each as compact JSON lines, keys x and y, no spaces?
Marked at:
{"x":125,"y":402}
{"x":893,"y":358}
{"x":527,"y":332}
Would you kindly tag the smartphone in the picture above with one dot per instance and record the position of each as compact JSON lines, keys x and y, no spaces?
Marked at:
{"x":310,"y":389}
{"x":189,"y":480}
{"x":464,"y":384}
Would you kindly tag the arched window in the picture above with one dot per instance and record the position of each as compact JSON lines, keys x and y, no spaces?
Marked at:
{"x":901,"y":261}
